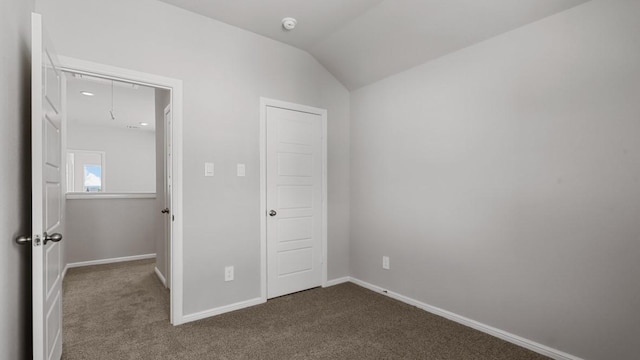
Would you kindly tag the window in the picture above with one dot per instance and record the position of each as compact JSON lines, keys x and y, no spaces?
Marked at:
{"x":85,"y":171}
{"x":92,"y":178}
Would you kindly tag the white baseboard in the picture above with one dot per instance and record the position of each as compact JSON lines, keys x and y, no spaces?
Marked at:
{"x":240,"y":305}
{"x":337,"y":281}
{"x":501,"y":334}
{"x":109,"y":261}
{"x":221,"y":310}
{"x":160,"y":276}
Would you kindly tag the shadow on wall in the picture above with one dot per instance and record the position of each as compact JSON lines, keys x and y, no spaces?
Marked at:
{"x":24,"y":211}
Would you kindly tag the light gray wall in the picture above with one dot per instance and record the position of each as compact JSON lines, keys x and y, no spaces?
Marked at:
{"x":225,"y":70}
{"x":162,"y":99}
{"x":100,"y":229}
{"x":130,"y":164}
{"x":15,"y":187}
{"x":503,"y":181}
{"x":109,"y":228}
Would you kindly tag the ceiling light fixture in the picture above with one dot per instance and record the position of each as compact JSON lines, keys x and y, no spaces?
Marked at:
{"x":87,"y":93}
{"x":144,"y":124}
{"x":289,"y":23}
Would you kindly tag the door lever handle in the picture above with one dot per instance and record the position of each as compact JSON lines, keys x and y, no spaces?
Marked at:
{"x":272,"y":213}
{"x":55,"y":237}
{"x":165,"y":211}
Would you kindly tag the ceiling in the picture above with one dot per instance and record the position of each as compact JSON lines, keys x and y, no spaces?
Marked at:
{"x":132,"y":104}
{"x":363,"y":41}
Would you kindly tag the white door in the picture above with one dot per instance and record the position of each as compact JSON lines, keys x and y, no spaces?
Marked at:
{"x":168,"y":179}
{"x":46,"y":156}
{"x":294,"y":200}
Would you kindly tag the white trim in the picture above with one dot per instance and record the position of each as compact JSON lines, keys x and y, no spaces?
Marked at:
{"x":223,"y":309}
{"x":501,"y":334}
{"x":337,"y":281}
{"x":325,"y":216}
{"x":160,"y":276}
{"x":264,"y":103}
{"x":84,"y":67}
{"x":109,"y":196}
{"x":39,"y":342}
{"x":64,"y":272}
{"x":263,"y":199}
{"x":109,"y":261}
{"x":167,"y":224}
{"x":175,"y":86}
{"x":63,"y":179}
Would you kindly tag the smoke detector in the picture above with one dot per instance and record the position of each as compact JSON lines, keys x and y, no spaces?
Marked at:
{"x":289,"y":23}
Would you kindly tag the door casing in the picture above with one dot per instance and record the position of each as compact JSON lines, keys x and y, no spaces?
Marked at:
{"x":168,"y":141}
{"x":264,"y":103}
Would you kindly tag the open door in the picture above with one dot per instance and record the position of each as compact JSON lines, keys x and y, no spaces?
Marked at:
{"x":46,"y":159}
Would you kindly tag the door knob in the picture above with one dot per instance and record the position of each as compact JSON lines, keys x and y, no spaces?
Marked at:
{"x":23,"y":240}
{"x":55,"y":237}
{"x":272,"y":213}
{"x":165,"y":211}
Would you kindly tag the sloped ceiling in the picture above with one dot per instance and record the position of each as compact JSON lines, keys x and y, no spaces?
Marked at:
{"x":363,"y":41}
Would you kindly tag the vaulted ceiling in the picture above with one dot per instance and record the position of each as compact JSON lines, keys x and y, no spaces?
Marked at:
{"x":363,"y":41}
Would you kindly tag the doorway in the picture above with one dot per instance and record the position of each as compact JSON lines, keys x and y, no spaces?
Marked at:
{"x":114,"y":172}
{"x":167,"y":192}
{"x":293,"y":186}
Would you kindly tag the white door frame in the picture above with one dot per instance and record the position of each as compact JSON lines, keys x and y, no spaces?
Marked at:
{"x":175,"y":87}
{"x":264,"y":103}
{"x":168,"y":139}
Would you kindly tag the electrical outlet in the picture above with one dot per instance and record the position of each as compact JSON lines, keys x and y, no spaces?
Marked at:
{"x":228,"y":273}
{"x":242,"y":170}
{"x":385,"y":262}
{"x":208,"y":169}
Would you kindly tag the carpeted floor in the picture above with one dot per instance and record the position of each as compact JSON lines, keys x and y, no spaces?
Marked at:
{"x":120,"y":311}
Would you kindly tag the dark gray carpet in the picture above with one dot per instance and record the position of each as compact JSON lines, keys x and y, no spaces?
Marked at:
{"x":120,"y":311}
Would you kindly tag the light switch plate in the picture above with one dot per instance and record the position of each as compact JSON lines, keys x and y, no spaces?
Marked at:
{"x":241,"y":170}
{"x":208,"y":169}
